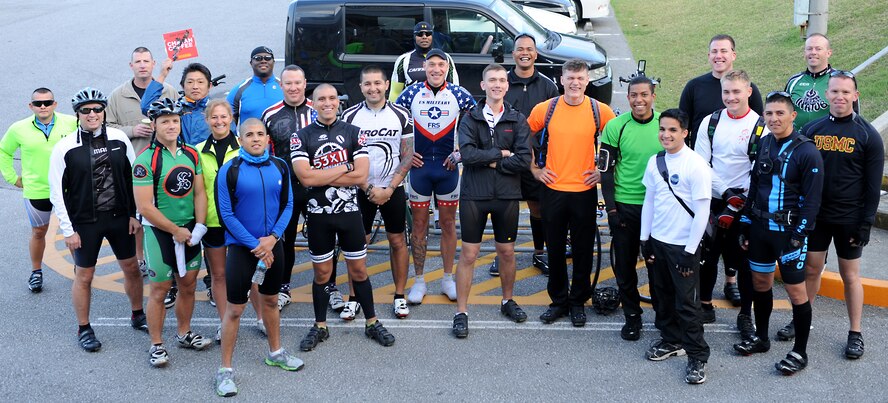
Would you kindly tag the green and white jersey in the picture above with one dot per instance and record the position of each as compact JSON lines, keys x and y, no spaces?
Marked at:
{"x":636,"y":141}
{"x":808,"y":91}
{"x":174,"y":182}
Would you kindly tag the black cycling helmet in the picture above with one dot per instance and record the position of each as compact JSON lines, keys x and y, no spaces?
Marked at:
{"x":86,"y":96}
{"x":164,"y":106}
{"x":605,"y":300}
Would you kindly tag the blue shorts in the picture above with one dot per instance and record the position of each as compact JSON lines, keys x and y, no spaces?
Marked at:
{"x":433,"y":178}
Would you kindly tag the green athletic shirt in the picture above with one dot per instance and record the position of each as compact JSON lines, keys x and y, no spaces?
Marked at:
{"x":808,"y":91}
{"x":637,"y":144}
{"x":175,"y":187}
{"x":36,"y":149}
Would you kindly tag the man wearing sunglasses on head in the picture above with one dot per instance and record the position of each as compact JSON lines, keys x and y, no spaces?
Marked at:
{"x":808,"y":88}
{"x":409,"y":66}
{"x":35,"y":136}
{"x":252,"y":96}
{"x":853,"y":163}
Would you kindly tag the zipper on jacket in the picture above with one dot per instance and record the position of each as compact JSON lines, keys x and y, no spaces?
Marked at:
{"x":264,"y":202}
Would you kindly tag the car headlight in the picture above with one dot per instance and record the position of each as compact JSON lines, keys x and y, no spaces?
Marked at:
{"x":572,"y":12}
{"x":599,"y":73}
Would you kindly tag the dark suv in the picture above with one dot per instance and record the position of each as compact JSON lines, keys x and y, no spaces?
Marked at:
{"x":333,"y":39}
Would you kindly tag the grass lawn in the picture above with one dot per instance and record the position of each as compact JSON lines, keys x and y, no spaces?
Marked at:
{"x":673,"y":36}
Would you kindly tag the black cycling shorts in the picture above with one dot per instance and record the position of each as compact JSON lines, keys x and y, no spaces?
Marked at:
{"x":394,"y":211}
{"x":530,"y":186}
{"x":111,"y":226}
{"x":765,"y":249}
{"x":473,"y":218}
{"x":214,"y":238}
{"x":820,"y":238}
{"x":240,"y":265}
{"x":324,"y":229}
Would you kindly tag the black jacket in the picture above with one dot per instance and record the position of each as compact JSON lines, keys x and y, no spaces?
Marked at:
{"x":525,"y":93}
{"x":479,"y":147}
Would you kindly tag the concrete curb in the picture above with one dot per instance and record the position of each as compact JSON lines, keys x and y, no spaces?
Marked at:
{"x":875,"y":292}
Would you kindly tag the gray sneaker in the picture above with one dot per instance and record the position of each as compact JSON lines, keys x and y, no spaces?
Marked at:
{"x":143,"y":268}
{"x":225,"y":385}
{"x":661,"y":350}
{"x":284,"y":360}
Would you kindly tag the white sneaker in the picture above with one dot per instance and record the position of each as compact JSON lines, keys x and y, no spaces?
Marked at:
{"x":350,"y":311}
{"x":218,"y":338}
{"x":400,"y":308}
{"x":261,"y":328}
{"x":336,"y":301}
{"x":448,"y":288}
{"x":283,"y":300}
{"x":417,"y":293}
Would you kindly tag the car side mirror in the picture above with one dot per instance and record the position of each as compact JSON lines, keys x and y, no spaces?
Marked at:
{"x":497,"y":52}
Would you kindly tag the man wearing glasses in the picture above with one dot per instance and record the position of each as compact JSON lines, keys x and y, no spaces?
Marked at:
{"x":853,"y":162}
{"x":808,"y":88}
{"x":409,"y":66}
{"x":35,"y":136}
{"x":252,"y":96}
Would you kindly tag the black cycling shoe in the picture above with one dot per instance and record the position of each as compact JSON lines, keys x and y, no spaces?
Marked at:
{"x":631,"y":331}
{"x":170,"y":300}
{"x":732,"y":293}
{"x":854,"y":349}
{"x":707,"y":313}
{"x":793,"y":363}
{"x":494,"y":267}
{"x":553,"y":313}
{"x":578,"y":316}
{"x":541,"y":261}
{"x":513,"y":311}
{"x":139,"y":322}
{"x":461,"y":325}
{"x":752,"y":346}
{"x":787,"y":333}
{"x":35,"y":282}
{"x":88,"y":340}
{"x":314,"y":337}
{"x":378,"y":332}
{"x":745,"y":326}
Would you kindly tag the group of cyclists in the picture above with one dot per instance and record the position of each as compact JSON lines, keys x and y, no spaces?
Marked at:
{"x":724,"y":175}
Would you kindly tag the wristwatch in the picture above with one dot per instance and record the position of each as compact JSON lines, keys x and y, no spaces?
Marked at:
{"x":276,"y":236}
{"x":349,"y":167}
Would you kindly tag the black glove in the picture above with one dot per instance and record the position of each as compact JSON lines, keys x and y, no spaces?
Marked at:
{"x":735,"y":197}
{"x":862,"y":236}
{"x":727,"y":217}
{"x":792,"y":252}
{"x":614,"y":220}
{"x":686,"y":263}
{"x":647,"y":251}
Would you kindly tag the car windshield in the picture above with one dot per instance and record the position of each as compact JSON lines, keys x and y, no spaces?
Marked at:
{"x":519,"y":20}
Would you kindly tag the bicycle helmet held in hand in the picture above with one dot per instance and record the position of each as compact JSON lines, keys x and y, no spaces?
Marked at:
{"x":164,"y":106}
{"x":88,"y":95}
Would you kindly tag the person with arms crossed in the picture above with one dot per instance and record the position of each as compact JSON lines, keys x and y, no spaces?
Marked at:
{"x":35,"y":136}
{"x":90,"y":187}
{"x":673,"y":221}
{"x":388,"y":129}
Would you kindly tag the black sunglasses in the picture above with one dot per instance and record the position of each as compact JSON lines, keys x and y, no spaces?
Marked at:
{"x":260,"y":58}
{"x":86,"y":111}
{"x":843,"y":73}
{"x":783,"y":94}
{"x":421,"y":34}
{"x":39,"y":104}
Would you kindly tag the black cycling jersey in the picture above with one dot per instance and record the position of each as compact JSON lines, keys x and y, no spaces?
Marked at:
{"x":283,"y":121}
{"x":103,"y":179}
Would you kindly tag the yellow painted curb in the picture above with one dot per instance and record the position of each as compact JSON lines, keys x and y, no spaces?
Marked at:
{"x":875,"y":292}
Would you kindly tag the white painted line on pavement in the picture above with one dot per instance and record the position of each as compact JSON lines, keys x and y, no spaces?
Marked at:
{"x":619,"y":59}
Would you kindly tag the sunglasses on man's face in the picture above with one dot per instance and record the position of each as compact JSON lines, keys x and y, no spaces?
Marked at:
{"x":86,"y":111}
{"x":46,"y":103}
{"x":421,"y":34}
{"x":260,"y":58}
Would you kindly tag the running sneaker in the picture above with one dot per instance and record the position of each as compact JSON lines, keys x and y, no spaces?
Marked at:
{"x":854,"y":349}
{"x":732,"y":293}
{"x":314,"y":337}
{"x":793,"y":363}
{"x":143,"y":268}
{"x":513,"y":311}
{"x":461,"y":325}
{"x":448,"y":288}
{"x":745,"y":326}
{"x":210,"y":296}
{"x":218,"y":338}
{"x":284,"y":360}
{"x":225,"y":385}
{"x":193,"y":341}
{"x":696,"y":371}
{"x":35,"y":281}
{"x":400,"y":308}
{"x":417,"y":293}
{"x":88,"y":340}
{"x":139,"y":322}
{"x":158,"y":356}
{"x":541,"y":261}
{"x":752,"y":346}
{"x":352,"y":308}
{"x":336,"y":301}
{"x":568,"y":248}
{"x":260,"y":326}
{"x":494,"y":267}
{"x":787,"y":333}
{"x":283,"y":300}
{"x":170,"y":300}
{"x":661,"y":350}
{"x":378,"y":332}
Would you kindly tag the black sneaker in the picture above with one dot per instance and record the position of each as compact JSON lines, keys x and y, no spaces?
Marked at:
{"x":513,"y":311}
{"x":494,"y":267}
{"x":461,"y":325}
{"x":696,"y":372}
{"x":88,"y":340}
{"x":707,"y":313}
{"x":139,"y":322}
{"x":854,"y":349}
{"x":732,"y":293}
{"x":314,"y":337}
{"x":745,"y":326}
{"x":793,"y":363}
{"x":578,"y":316}
{"x":170,"y":300}
{"x":35,"y":282}
{"x":378,"y":332}
{"x":787,"y":333}
{"x":541,"y":261}
{"x":661,"y":350}
{"x":553,"y":313}
{"x":631,"y":331}
{"x":752,"y":346}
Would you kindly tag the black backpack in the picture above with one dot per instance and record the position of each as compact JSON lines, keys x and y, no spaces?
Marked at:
{"x":751,"y":149}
